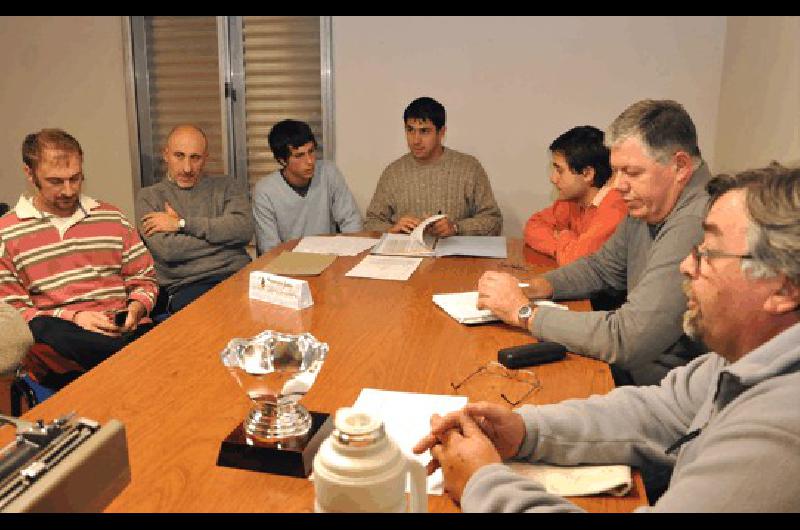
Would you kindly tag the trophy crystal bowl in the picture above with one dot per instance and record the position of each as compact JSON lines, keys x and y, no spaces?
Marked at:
{"x":275,"y":370}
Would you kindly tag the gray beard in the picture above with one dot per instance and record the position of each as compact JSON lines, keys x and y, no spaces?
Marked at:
{"x":691,"y":318}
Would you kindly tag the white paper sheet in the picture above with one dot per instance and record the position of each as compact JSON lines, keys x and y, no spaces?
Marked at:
{"x":385,"y":268}
{"x":572,"y":481}
{"x":406,"y":418}
{"x":338,"y":245}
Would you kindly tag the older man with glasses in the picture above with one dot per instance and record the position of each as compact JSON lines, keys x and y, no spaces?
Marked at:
{"x":727,"y":423}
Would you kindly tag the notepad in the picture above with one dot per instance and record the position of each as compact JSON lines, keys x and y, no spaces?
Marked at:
{"x":463,"y":307}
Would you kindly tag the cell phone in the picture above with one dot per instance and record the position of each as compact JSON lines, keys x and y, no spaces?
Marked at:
{"x":120,"y":317}
{"x":531,"y":354}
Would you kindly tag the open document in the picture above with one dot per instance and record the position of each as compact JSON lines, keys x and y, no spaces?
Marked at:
{"x":417,"y":243}
{"x":406,"y":417}
{"x":421,"y":244}
{"x":463,"y":307}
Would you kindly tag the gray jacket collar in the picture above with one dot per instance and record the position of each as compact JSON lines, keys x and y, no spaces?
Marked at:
{"x":777,"y":356}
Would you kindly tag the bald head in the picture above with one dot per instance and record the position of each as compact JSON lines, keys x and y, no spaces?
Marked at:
{"x":185,"y":154}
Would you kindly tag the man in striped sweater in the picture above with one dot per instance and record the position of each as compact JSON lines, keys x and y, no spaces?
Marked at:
{"x":431,"y":179}
{"x":70,"y":263}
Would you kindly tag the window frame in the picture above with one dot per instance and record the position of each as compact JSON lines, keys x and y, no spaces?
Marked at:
{"x":145,"y":156}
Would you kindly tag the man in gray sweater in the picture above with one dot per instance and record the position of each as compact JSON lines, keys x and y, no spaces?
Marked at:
{"x":727,"y":423}
{"x":306,"y":196}
{"x":661,"y":176}
{"x":197,"y":227}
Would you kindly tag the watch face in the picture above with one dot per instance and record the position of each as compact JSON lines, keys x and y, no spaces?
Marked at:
{"x":525,"y":311}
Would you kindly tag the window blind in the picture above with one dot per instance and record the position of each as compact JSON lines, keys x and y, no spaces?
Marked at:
{"x":282,"y":80}
{"x":184,"y":82}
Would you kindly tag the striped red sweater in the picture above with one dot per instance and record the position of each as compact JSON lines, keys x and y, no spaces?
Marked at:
{"x":99,"y":264}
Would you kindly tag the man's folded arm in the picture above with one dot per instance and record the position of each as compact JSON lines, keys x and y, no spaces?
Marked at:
{"x":234,"y":226}
{"x":169,"y":246}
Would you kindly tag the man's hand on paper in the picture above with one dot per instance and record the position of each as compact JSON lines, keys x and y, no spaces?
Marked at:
{"x":504,"y":428}
{"x":500,"y":293}
{"x":405,"y":225}
{"x":444,"y":227}
{"x":460,"y":451}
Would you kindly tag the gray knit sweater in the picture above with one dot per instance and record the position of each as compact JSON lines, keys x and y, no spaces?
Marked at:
{"x":645,"y":335}
{"x":455,"y":184}
{"x":219,"y":226}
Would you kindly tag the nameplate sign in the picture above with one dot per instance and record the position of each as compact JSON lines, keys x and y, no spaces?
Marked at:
{"x":279,"y":290}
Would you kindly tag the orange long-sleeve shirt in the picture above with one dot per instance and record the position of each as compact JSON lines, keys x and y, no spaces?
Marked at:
{"x":580,"y":231}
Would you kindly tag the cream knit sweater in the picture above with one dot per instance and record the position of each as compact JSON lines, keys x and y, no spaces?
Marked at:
{"x":455,"y":184}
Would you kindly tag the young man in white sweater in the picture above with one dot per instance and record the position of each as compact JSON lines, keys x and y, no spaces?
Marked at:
{"x":305,"y":196}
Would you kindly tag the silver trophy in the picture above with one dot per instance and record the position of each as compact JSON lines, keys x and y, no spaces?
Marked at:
{"x":276,"y":370}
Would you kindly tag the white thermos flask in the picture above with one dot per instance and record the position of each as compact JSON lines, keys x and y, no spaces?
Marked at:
{"x":358,"y":468}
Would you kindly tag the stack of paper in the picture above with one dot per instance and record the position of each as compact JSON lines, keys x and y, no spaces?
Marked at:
{"x":385,"y":268}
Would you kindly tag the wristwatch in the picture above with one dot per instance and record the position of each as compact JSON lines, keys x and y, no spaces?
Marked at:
{"x":524,"y":315}
{"x":181,"y":224}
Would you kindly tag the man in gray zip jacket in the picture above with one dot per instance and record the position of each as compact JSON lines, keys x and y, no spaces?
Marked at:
{"x":197,"y":227}
{"x":728,"y":422}
{"x":659,"y":171}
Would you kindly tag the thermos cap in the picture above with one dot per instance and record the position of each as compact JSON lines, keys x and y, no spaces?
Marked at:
{"x":357,"y":428}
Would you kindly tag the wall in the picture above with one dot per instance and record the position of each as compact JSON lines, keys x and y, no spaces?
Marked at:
{"x":759,"y":108}
{"x":66,"y":72}
{"x":511,"y":85}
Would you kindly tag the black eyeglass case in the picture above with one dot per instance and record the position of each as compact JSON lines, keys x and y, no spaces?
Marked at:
{"x":531,"y":354}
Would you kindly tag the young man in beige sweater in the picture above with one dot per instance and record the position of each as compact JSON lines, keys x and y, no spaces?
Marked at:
{"x":432,"y":179}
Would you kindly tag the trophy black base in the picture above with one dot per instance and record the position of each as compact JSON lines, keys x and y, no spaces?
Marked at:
{"x":292,"y":462}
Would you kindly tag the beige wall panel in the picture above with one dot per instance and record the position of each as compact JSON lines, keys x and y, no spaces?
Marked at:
{"x":66,"y":72}
{"x":759,"y":109}
{"x":511,"y":85}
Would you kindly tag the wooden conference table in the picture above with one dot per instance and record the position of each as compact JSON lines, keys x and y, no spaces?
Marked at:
{"x":178,"y":402}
